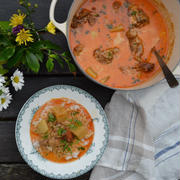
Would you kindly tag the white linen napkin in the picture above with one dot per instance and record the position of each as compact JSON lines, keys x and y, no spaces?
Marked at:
{"x":144,"y":141}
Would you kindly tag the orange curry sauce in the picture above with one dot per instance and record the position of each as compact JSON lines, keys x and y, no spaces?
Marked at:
{"x":35,"y":137}
{"x":117,"y":74}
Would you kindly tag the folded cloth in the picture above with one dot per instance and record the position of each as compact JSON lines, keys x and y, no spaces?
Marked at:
{"x":144,"y":141}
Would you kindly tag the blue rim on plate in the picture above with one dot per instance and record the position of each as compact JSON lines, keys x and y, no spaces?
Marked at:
{"x":20,"y":119}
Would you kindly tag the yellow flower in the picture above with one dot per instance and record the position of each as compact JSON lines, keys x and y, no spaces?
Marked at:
{"x":23,"y":37}
{"x":51,"y":28}
{"x":17,"y":19}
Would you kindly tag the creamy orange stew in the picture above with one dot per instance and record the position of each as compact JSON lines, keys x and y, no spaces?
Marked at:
{"x":62,"y":130}
{"x":113,"y":40}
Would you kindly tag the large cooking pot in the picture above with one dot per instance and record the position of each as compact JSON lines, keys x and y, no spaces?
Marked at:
{"x":171,"y":13}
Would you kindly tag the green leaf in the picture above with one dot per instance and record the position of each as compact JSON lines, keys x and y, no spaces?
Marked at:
{"x":50,"y":45}
{"x":50,"y":64}
{"x":58,"y":59}
{"x":2,"y":70}
{"x":40,"y":56}
{"x":7,"y":53}
{"x":71,"y":67}
{"x":44,"y":44}
{"x":4,"y":41}
{"x":16,"y":58}
{"x":66,"y":55}
{"x":5,"y":25}
{"x":37,"y":45}
{"x":32,"y":62}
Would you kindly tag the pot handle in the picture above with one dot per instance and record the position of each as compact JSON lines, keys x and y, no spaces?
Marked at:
{"x":60,"y":26}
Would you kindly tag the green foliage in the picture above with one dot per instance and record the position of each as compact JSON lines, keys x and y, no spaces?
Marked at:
{"x":50,"y":64}
{"x":32,"y":55}
{"x":32,"y":61}
{"x":17,"y":58}
{"x":4,"y":26}
{"x":7,"y":53}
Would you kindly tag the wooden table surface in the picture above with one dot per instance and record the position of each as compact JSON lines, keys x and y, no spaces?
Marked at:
{"x":12,"y":166}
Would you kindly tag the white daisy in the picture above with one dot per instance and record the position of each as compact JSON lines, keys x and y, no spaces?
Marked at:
{"x":2,"y":80}
{"x":17,"y":80}
{"x":4,"y":90}
{"x":5,"y":100}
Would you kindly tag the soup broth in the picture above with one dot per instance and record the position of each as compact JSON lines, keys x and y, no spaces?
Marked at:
{"x":113,"y":40}
{"x":62,"y":130}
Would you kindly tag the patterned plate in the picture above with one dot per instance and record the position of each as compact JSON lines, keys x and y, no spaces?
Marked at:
{"x":61,"y":170}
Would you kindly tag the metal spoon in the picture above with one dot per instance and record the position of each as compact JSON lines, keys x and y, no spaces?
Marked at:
{"x":172,"y":81}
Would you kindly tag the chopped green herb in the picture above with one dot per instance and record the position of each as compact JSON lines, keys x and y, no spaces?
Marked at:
{"x":79,"y":123}
{"x":72,"y":126}
{"x":134,"y":13}
{"x":70,"y":120}
{"x":61,"y":131}
{"x":78,"y":42}
{"x":75,"y":113}
{"x":135,"y":80}
{"x":104,"y":6}
{"x":109,"y":26}
{"x":45,"y":136}
{"x":163,"y":56}
{"x":96,"y":15}
{"x":69,"y":149}
{"x":77,"y":141}
{"x":102,"y":12}
{"x":63,"y":141}
{"x":81,"y":148}
{"x":65,"y":147}
{"x":87,"y":32}
{"x":51,"y":117}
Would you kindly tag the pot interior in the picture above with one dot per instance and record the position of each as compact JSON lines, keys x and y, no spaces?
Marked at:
{"x":170,"y":10}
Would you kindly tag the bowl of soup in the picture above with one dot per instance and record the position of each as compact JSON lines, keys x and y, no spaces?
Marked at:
{"x":61,"y":132}
{"x":111,"y":41}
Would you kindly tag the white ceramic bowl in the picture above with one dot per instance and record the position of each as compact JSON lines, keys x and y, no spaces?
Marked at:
{"x":61,"y":170}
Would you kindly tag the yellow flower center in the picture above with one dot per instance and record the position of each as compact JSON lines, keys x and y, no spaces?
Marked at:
{"x":16,"y":79}
{"x":3,"y":100}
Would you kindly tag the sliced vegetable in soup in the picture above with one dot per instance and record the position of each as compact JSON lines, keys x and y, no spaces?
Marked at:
{"x":112,"y":40}
{"x":62,"y":130}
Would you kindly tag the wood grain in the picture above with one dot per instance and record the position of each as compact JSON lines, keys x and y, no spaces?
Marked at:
{"x":24,"y":172}
{"x":35,"y":83}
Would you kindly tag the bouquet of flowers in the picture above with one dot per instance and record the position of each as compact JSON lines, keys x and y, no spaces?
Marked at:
{"x":21,"y":45}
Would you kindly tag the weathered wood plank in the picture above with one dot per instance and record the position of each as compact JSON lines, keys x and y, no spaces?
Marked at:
{"x":23,"y":171}
{"x":8,"y":149}
{"x":35,"y":83}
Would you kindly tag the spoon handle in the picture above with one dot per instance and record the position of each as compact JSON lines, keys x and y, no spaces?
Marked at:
{"x":172,"y":81}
